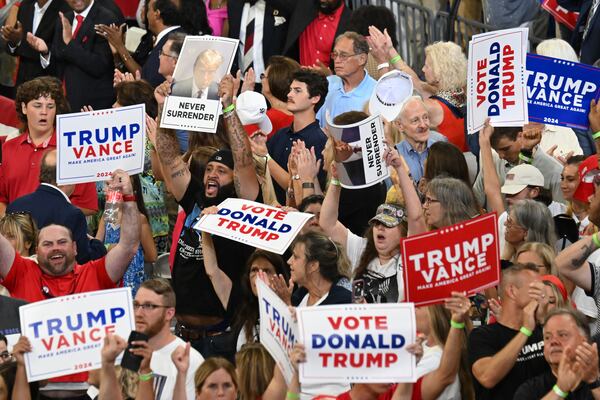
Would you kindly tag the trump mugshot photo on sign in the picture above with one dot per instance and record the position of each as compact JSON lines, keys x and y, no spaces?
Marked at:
{"x":91,"y":145}
{"x":496,"y":79}
{"x":67,"y":333}
{"x":194,"y":102}
{"x":464,"y":257}
{"x":357,"y":343}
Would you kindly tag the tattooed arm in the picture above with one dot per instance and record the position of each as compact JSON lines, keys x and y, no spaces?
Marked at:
{"x":175,"y":171}
{"x":572,"y":264}
{"x":244,"y":172}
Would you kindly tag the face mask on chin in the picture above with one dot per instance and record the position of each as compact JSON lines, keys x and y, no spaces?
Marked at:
{"x":224,"y":192}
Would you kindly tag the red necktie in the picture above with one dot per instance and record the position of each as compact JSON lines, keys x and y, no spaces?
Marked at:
{"x":79,"y":19}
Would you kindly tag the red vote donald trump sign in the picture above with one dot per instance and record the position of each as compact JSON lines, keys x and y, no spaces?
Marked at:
{"x":464,"y":257}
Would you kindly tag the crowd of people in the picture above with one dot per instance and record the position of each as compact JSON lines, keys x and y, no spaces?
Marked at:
{"x":301,"y":66}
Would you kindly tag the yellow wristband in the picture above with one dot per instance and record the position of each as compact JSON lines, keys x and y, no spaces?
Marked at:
{"x":335,"y":182}
{"x":229,"y":108}
{"x":559,"y":392}
{"x":525,"y":331}
{"x":146,"y":377}
{"x":395,"y":59}
{"x":596,"y":135}
{"x":292,"y":396}
{"x":596,"y":240}
{"x":457,"y":325}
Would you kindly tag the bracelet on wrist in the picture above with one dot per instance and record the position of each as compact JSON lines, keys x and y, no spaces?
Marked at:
{"x":335,"y":182}
{"x":129,"y":197}
{"x":596,"y":240}
{"x":395,"y":59}
{"x":559,"y":392}
{"x":382,"y":66}
{"x":595,"y":384}
{"x":292,"y":396}
{"x":457,"y":325}
{"x":308,"y":185}
{"x":525,"y":158}
{"x":146,"y":377}
{"x":526,"y":331}
{"x":229,"y":108}
{"x":596,"y":135}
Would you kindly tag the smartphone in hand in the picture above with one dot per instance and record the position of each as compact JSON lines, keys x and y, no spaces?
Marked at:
{"x":131,"y":361}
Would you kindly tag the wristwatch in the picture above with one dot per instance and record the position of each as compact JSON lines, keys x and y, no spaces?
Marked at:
{"x":595,"y":384}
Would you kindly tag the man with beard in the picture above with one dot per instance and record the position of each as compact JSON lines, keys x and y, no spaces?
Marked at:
{"x":201,"y":317}
{"x":154,"y":309}
{"x":313,"y":28}
{"x":58,"y":274}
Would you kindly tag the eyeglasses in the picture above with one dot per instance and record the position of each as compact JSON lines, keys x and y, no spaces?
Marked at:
{"x":512,"y":224}
{"x":429,"y":200}
{"x":5,"y":355}
{"x":161,"y":53}
{"x":147,"y":306}
{"x":342,"y":56}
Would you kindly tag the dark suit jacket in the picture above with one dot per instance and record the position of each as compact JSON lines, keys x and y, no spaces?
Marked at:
{"x":29,"y":59}
{"x":305,"y":12}
{"x":47,"y":205}
{"x":273,"y":36}
{"x":150,"y":67}
{"x":184,"y":88}
{"x":590,"y":47}
{"x":86,"y":63}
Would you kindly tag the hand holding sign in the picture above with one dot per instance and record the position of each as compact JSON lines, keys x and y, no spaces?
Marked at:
{"x":226,"y":90}
{"x":163,"y":90}
{"x":20,"y":348}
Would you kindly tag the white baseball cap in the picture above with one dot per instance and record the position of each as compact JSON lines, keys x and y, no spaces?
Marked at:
{"x":251,"y":108}
{"x":521,"y":176}
{"x":390,"y":92}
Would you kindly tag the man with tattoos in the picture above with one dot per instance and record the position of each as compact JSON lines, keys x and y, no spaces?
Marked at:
{"x":574,"y":262}
{"x":201,"y":318}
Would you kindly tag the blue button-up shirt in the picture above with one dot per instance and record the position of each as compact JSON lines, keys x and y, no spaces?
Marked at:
{"x":416,"y":160}
{"x":338,"y":101}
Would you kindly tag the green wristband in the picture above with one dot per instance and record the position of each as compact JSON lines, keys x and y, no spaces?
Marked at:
{"x":229,"y":108}
{"x":596,"y":240}
{"x":457,"y":325}
{"x":335,"y":182}
{"x":146,"y":377}
{"x":596,"y":135}
{"x":526,"y":159}
{"x":559,"y":392}
{"x":395,"y":59}
{"x":525,"y":331}
{"x":292,"y":396}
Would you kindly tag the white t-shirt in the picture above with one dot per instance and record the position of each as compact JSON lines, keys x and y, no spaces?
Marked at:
{"x":378,"y":279}
{"x":432,"y":356}
{"x":165,"y":372}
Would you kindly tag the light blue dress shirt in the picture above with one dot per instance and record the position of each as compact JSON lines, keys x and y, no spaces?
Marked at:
{"x":416,"y":160}
{"x":338,"y":101}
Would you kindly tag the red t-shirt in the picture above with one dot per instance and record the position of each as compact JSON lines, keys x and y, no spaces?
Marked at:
{"x":26,"y":281}
{"x":279,"y":119}
{"x":384,"y":396}
{"x":317,"y":39}
{"x":20,"y":172}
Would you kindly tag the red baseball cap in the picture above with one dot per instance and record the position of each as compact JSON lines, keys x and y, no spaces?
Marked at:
{"x":586,"y":189}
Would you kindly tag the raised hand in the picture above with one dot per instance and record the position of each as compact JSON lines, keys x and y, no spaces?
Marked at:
{"x":22,"y":346}
{"x":143,"y":350}
{"x":226,"y":90}
{"x":282,"y":288}
{"x":249,"y":78}
{"x":163,"y":90}
{"x":113,"y":346}
{"x":181,"y":358}
{"x":151,"y":129}
{"x":459,"y":305}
